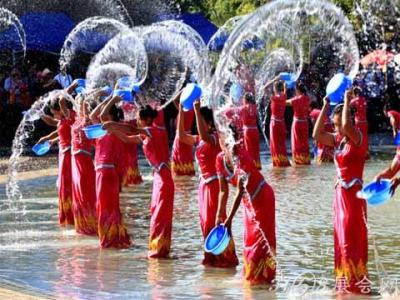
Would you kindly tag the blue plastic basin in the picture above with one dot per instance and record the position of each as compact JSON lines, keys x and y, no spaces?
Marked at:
{"x":397,"y":139}
{"x":217,"y":240}
{"x":289,"y":79}
{"x":126,"y":95}
{"x":94,"y":131}
{"x":337,"y":87}
{"x":189,"y":95}
{"x":41,"y":149}
{"x":376,"y":193}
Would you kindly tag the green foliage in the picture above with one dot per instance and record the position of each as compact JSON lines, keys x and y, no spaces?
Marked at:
{"x":219,"y":11}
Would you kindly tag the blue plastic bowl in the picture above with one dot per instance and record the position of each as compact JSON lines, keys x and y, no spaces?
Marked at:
{"x":285,"y":76}
{"x":107,"y":89}
{"x":126,"y":95}
{"x":397,"y":139}
{"x":376,"y":193}
{"x":94,"y":131}
{"x":289,"y":79}
{"x":217,"y":240}
{"x":189,"y":95}
{"x":81,"y":82}
{"x":41,"y":149}
{"x":80,"y":90}
{"x":236,"y":92}
{"x":125,"y":83}
{"x":336,"y":88}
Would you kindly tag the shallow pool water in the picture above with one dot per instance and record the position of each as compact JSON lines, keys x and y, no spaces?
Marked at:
{"x":37,"y":256}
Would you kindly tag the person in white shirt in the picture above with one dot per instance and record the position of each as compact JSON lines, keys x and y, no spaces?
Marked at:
{"x":63,"y":78}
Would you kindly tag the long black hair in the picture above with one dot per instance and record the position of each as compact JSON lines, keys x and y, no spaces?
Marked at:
{"x":208,"y":116}
{"x":116,"y":113}
{"x":301,"y":87}
{"x":147,"y":112}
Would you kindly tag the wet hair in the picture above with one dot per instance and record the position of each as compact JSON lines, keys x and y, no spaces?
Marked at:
{"x":338,"y":110}
{"x":357,"y":91}
{"x":301,"y":87}
{"x":55,"y":104}
{"x":279,"y":86}
{"x":116,"y":113}
{"x":147,"y":112}
{"x":249,"y":97}
{"x":207,"y":115}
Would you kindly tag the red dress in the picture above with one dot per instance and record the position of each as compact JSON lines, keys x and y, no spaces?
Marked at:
{"x":277,"y":129}
{"x":259,"y":219}
{"x":162,"y":200}
{"x":132,"y":174}
{"x":396,"y":160}
{"x":182,"y":154}
{"x":360,"y":104}
{"x":248,"y":114}
{"x":324,"y":153}
{"x":349,"y":217}
{"x":159,"y":123}
{"x":300,"y":146}
{"x":64,"y":182}
{"x":208,"y":193}
{"x":83,"y":181}
{"x":109,"y":173}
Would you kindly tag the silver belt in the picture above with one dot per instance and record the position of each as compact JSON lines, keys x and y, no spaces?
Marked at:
{"x":160,"y":166}
{"x":66,"y":149}
{"x":348,"y":185}
{"x":81,"y":151}
{"x":209,"y":179}
{"x":276,"y":119}
{"x":258,"y":189}
{"x":104,"y":166}
{"x":299,"y":120}
{"x":361,"y":122}
{"x":250,"y":127}
{"x":160,"y":127}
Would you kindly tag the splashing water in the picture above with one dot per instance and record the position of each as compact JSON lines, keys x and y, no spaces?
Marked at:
{"x":174,"y":52}
{"x":124,"y":55}
{"x":316,"y":34}
{"x":24,"y":131}
{"x":10,"y":25}
{"x":88,"y":37}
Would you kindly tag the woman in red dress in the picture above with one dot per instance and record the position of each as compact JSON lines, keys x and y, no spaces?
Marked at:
{"x":359,"y":103}
{"x":159,"y":123}
{"x":350,"y":212}
{"x":63,"y":118}
{"x":248,"y":114}
{"x":132,"y":174}
{"x":207,"y":149}
{"x":83,"y":176}
{"x":394,"y":168}
{"x":300,"y":146}
{"x":182,"y":154}
{"x":258,"y":211}
{"x":162,"y":200}
{"x":277,"y":127}
{"x":324,"y":153}
{"x":109,"y":158}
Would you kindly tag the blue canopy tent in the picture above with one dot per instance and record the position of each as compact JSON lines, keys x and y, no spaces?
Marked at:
{"x":200,"y":23}
{"x":45,"y":31}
